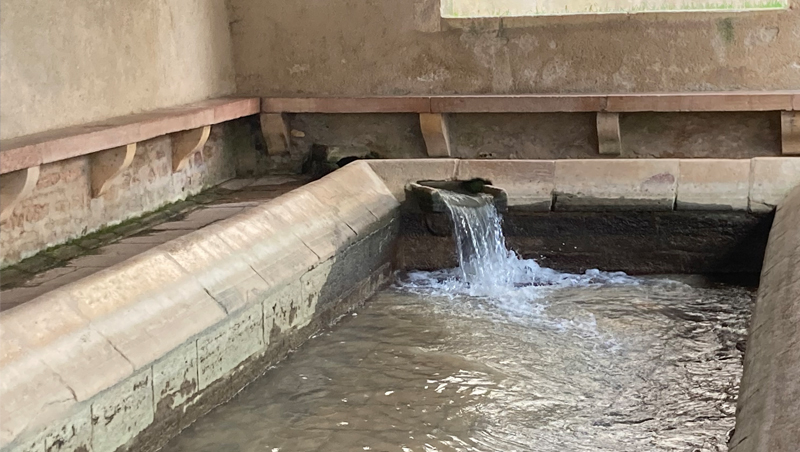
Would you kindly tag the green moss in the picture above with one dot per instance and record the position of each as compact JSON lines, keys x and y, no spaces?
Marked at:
{"x":725,"y":29}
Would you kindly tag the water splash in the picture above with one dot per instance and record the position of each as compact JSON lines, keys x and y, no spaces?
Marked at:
{"x":487,"y":268}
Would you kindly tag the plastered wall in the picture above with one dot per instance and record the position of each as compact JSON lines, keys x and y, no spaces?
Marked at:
{"x":340,"y":47}
{"x":68,"y":62}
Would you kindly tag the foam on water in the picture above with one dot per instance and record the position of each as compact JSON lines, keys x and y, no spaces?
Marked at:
{"x":488,"y":269}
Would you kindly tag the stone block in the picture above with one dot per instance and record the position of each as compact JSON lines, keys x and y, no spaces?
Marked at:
{"x":282,"y":307}
{"x":151,"y":328}
{"x":108,"y":291}
{"x":643,"y":184}
{"x":175,"y":377}
{"x":229,"y":343}
{"x":370,"y":190}
{"x":312,"y":285}
{"x":713,"y":184}
{"x":86,"y":362}
{"x":397,"y":173}
{"x":529,"y":184}
{"x":333,"y":192}
{"x":44,"y":319}
{"x":123,"y":411}
{"x":221,"y":271}
{"x":313,"y":222}
{"x":268,"y":244}
{"x":771,"y":179}
{"x":33,"y":396}
{"x":71,"y":434}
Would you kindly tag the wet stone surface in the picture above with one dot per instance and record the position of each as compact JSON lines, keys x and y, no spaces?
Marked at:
{"x":644,"y":365}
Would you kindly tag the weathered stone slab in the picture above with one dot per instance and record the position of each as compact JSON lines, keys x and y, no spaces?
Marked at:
{"x":107,"y":291}
{"x":33,"y":396}
{"x":86,"y":362}
{"x":71,"y":434}
{"x":311,"y":285}
{"x":221,"y":271}
{"x":268,"y":244}
{"x":771,"y":179}
{"x":370,"y":190}
{"x":154,"y":326}
{"x":333,"y":192}
{"x":397,"y":173}
{"x":120,"y":413}
{"x":529,"y":184}
{"x":313,"y":222}
{"x":713,"y":184}
{"x":175,"y":377}
{"x":282,"y":307}
{"x":228,"y":344}
{"x":43,"y":320}
{"x":643,"y":184}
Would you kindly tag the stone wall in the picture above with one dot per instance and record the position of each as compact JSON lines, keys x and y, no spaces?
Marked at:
{"x":62,"y":208}
{"x":339,"y":47}
{"x":67,"y":63}
{"x":543,"y":135}
{"x":127,"y":357}
{"x":767,"y":411}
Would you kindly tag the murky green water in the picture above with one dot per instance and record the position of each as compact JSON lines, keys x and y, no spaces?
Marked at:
{"x":641,"y":365}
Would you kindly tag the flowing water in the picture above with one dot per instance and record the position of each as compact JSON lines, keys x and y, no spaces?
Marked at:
{"x":502,"y":355}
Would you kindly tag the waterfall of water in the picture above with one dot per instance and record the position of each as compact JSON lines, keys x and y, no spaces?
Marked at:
{"x":486,"y":267}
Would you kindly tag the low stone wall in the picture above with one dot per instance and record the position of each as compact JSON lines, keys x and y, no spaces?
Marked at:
{"x":125,"y":358}
{"x":62,"y":208}
{"x":768,"y":411}
{"x":637,"y":216}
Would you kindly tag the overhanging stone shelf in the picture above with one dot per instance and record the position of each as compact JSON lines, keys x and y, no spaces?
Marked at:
{"x":111,"y":144}
{"x":433,"y":111}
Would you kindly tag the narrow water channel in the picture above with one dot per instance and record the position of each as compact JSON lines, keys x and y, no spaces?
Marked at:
{"x":502,"y":355}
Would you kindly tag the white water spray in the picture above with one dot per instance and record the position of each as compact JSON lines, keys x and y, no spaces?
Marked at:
{"x":486,"y":267}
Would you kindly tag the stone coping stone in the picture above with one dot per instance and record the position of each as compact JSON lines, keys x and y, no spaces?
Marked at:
{"x":80,"y":340}
{"x":756,"y":184}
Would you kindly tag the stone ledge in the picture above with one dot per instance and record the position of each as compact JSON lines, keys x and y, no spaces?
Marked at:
{"x":711,"y":184}
{"x":221,"y":291}
{"x":771,"y":179}
{"x":643,"y":184}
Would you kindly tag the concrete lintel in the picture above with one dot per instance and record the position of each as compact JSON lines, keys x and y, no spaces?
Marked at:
{"x":790,"y":132}
{"x":434,"y":131}
{"x":276,"y":133}
{"x":608,"y":135}
{"x":107,"y":165}
{"x":185,"y":144}
{"x":14,"y":187}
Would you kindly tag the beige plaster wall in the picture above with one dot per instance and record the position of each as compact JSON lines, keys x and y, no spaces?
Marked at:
{"x":67,"y":62}
{"x":340,"y":47}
